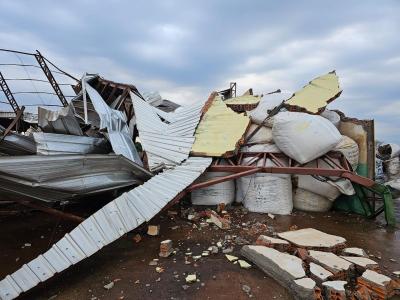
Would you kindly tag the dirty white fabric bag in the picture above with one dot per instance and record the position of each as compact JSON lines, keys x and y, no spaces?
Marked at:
{"x":223,"y":192}
{"x":304,"y":137}
{"x":262,"y":136}
{"x":308,"y":201}
{"x":266,"y":104}
{"x":332,"y":116}
{"x":265,"y":193}
{"x":350,"y":150}
{"x":268,"y":147}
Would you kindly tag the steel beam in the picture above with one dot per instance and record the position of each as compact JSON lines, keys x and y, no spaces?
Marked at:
{"x":9,"y":94}
{"x":51,"y":79}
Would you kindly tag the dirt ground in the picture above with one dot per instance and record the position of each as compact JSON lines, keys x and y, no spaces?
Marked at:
{"x":126,"y":262}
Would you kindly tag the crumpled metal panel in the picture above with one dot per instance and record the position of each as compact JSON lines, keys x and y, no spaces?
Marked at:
{"x":53,"y":144}
{"x":166,"y":143}
{"x":219,"y":131}
{"x":317,"y":94}
{"x":16,"y":144}
{"x":115,"y":123}
{"x":107,"y":225}
{"x":60,"y":177}
{"x":61,"y":121}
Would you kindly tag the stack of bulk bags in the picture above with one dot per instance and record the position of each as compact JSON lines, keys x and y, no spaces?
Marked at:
{"x":223,"y":192}
{"x":265,"y":193}
{"x":322,"y":193}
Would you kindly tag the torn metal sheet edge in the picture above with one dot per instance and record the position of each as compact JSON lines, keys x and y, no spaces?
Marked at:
{"x":115,"y":122}
{"x":118,"y":217}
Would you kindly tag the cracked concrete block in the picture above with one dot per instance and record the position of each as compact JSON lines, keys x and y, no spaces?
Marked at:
{"x":340,"y":267}
{"x":354,"y":251}
{"x":311,"y":238}
{"x":379,"y":285}
{"x":282,"y":267}
{"x":304,"y":288}
{"x":271,"y":242}
{"x":319,"y":274}
{"x":362,"y":263}
{"x":334,"y":290}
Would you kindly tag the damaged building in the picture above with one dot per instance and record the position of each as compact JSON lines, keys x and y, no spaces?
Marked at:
{"x":263,"y":153}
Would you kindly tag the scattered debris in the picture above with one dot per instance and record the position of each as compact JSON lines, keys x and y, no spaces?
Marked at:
{"x":153,"y":230}
{"x":109,"y":286}
{"x":231,"y":258}
{"x":166,"y":248}
{"x":137,"y":238}
{"x":191,"y":278}
{"x":244,"y":264}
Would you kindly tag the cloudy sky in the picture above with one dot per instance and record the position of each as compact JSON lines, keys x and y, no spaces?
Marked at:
{"x":185,"y":49}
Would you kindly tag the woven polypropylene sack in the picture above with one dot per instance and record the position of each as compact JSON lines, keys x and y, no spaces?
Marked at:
{"x":350,"y":150}
{"x":332,"y":116}
{"x":262,"y":136}
{"x":265,"y":193}
{"x":304,"y":137}
{"x":223,"y":192}
{"x":309,"y":201}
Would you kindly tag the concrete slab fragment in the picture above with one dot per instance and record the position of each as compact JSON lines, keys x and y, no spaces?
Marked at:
{"x":376,"y":278}
{"x":362,"y":262}
{"x":318,"y":273}
{"x":353,"y":251}
{"x":271,"y":242}
{"x":335,"y":289}
{"x":311,"y":238}
{"x":304,"y":288}
{"x":331,"y":262}
{"x":282,"y":267}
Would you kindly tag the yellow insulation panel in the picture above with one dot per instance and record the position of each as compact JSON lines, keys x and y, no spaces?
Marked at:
{"x":245,"y":99}
{"x":317,"y":94}
{"x":219,"y":131}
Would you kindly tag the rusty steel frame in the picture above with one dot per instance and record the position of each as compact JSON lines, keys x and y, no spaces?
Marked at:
{"x":9,"y":94}
{"x":51,"y":211}
{"x":14,"y":122}
{"x":47,"y":72}
{"x":283,"y":165}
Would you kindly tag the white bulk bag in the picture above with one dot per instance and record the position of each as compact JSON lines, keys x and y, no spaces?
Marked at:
{"x":268,"y":147}
{"x":350,"y":150}
{"x":309,"y":201}
{"x":265,"y":193}
{"x":332,"y":116}
{"x":330,"y":189}
{"x":266,"y":104}
{"x":223,"y":192}
{"x":263,"y":135}
{"x":304,"y":137}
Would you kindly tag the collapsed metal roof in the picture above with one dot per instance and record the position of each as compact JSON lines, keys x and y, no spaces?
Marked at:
{"x":55,"y":144}
{"x":59,"y":177}
{"x":166,"y":143}
{"x":118,"y":217}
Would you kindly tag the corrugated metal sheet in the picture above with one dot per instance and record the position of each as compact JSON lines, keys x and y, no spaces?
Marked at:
{"x":317,"y":94}
{"x":115,"y":123}
{"x":60,"y":177}
{"x":116,"y":218}
{"x":56,"y":144}
{"x":62,"y":121}
{"x":16,"y":144}
{"x":166,"y":143}
{"x":219,"y":131}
